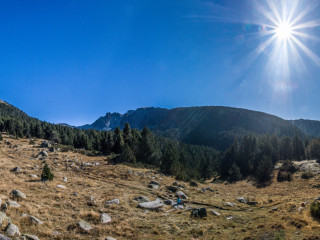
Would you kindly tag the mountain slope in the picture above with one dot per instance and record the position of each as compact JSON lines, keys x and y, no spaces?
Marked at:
{"x":310,"y":127}
{"x":211,"y":126}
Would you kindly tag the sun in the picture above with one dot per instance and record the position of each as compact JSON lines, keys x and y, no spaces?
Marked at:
{"x":284,"y":31}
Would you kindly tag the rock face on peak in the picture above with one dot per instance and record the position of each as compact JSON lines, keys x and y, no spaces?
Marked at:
{"x":109,"y":122}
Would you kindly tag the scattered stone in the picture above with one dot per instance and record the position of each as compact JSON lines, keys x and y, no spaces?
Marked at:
{"x":113,"y":201}
{"x":142,"y":199}
{"x":12,"y":230}
{"x":230,"y":204}
{"x":33,"y":219}
{"x":153,"y":186}
{"x":75,"y":194}
{"x":65,"y":179}
{"x":18,"y":194}
{"x":242,"y":200}
{"x":52,"y":149}
{"x":105,"y":218}
{"x":154,"y":183}
{"x":199,"y":212}
{"x":151,"y":205}
{"x":108,"y":238}
{"x":252,"y":203}
{"x":175,"y":184}
{"x":43,"y":153}
{"x":215,"y":213}
{"x":4,"y":207}
{"x":194,"y":184}
{"x":91,"y":201}
{"x":129,"y":171}
{"x":33,"y":176}
{"x":12,"y":204}
{"x":61,"y":186}
{"x":172,"y":188}
{"x":16,"y":170}
{"x":96,"y":163}
{"x":45,"y":144}
{"x":181,"y":195}
{"x":85,"y":226}
{"x":31,"y":237}
{"x":2,"y":237}
{"x":3,"y":217}
{"x":169,"y":202}
{"x":209,"y":189}
{"x":203,"y":190}
{"x":87,"y":164}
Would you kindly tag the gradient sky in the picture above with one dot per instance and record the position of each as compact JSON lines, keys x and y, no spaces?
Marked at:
{"x":72,"y":61}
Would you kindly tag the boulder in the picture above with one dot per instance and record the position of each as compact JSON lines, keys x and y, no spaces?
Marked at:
{"x":52,"y":149}
{"x":230,"y":204}
{"x":169,"y":202}
{"x":4,"y":207}
{"x":242,"y":200}
{"x":85,"y":226}
{"x":151,"y":205}
{"x":181,"y":195}
{"x":153,"y":186}
{"x":142,"y":199}
{"x":33,"y":176}
{"x":215,"y":213}
{"x":18,"y":194}
{"x":12,"y":204}
{"x":12,"y":230}
{"x":3,"y":217}
{"x":154,"y":183}
{"x":45,"y":144}
{"x":172,"y":188}
{"x":105,"y":218}
{"x":194,"y":184}
{"x":108,"y":238}
{"x":199,"y":212}
{"x":91,"y":201}
{"x":113,"y":201}
{"x":43,"y":153}
{"x":65,"y":179}
{"x":2,"y":237}
{"x":31,"y":237}
{"x":33,"y":219}
{"x":61,"y":186}
{"x":16,"y":170}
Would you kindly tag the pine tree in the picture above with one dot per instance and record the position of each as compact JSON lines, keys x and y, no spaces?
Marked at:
{"x":46,"y":173}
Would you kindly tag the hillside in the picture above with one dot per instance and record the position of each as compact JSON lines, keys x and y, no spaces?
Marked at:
{"x":282,"y":209}
{"x":310,"y":127}
{"x":210,"y":126}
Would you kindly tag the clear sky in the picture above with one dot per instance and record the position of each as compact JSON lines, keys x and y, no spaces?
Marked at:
{"x":72,"y":60}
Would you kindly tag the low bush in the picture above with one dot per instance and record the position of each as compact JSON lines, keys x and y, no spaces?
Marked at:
{"x":284,"y":176}
{"x":315,"y":209}
{"x":307,"y":175}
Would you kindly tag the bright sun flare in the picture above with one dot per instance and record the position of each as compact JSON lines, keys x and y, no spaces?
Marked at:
{"x":284,"y":31}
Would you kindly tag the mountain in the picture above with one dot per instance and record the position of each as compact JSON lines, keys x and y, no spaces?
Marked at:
{"x":210,"y":125}
{"x":310,"y":127}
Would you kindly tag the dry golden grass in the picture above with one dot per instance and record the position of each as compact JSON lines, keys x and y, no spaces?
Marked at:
{"x":61,"y":210}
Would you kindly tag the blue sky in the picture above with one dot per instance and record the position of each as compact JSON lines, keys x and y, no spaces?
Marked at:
{"x":72,"y":61}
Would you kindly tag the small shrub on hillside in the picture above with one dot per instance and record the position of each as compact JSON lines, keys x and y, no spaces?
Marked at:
{"x":288,"y":166}
{"x":315,"y":210}
{"x":307,"y":175}
{"x":234,"y":173}
{"x":46,"y":173}
{"x":1,"y":138}
{"x":284,"y":176}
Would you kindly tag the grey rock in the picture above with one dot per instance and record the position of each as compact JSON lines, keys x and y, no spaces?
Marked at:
{"x":154,"y":183}
{"x":108,"y":238}
{"x":4,"y":207}
{"x":91,"y":201}
{"x":105,"y":218}
{"x":242,"y":200}
{"x":199,"y":212}
{"x":33,"y":219}
{"x":230,"y":204}
{"x":3,"y":217}
{"x":252,"y":203}
{"x":2,"y":237}
{"x":33,"y":176}
{"x":61,"y":186}
{"x":169,"y":202}
{"x":142,"y":199}
{"x":43,"y":153}
{"x":113,"y":201}
{"x":45,"y":144}
{"x":18,"y":194}
{"x":65,"y":179}
{"x":85,"y":226}
{"x":153,"y":186}
{"x":12,"y":204}
{"x":172,"y":188}
{"x":31,"y":237}
{"x":16,"y":170}
{"x":181,"y":195}
{"x":12,"y":230}
{"x":175,"y":184}
{"x":151,"y":205}
{"x":215,"y":213}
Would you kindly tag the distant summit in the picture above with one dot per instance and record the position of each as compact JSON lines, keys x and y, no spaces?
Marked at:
{"x":213,"y":126}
